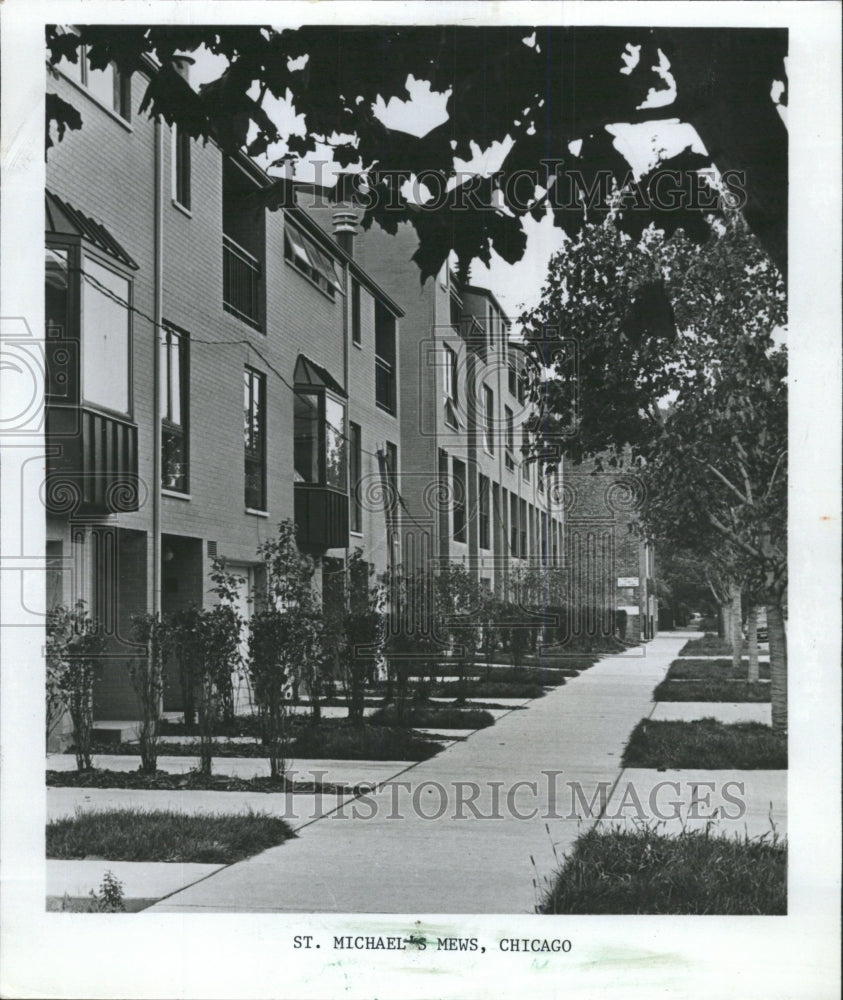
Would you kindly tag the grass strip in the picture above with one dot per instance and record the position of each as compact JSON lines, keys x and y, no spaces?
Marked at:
{"x":703,"y":670}
{"x":709,"y":645}
{"x":612,"y":871}
{"x":705,"y":743}
{"x":717,"y":689}
{"x":435,"y":717}
{"x":103,"y":777}
{"x":164,"y":835}
{"x":489,"y":689}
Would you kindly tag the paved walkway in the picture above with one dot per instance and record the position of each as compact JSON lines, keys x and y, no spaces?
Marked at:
{"x":469,"y":831}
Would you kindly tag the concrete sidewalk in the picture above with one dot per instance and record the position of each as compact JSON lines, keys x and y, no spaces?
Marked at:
{"x":469,"y":831}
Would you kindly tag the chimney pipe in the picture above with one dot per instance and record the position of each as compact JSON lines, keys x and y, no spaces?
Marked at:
{"x":345,"y":229}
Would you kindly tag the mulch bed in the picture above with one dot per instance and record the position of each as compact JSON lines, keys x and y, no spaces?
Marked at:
{"x":192,"y":781}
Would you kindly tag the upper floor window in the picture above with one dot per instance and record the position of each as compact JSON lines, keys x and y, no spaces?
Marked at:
{"x":243,"y":247}
{"x":489,"y":419}
{"x":181,"y":167}
{"x":459,"y":501}
{"x":355,"y":474}
{"x":523,"y":531}
{"x":513,"y":525}
{"x":512,"y":371}
{"x":303,"y":253}
{"x":451,"y":387}
{"x":509,"y":456}
{"x":173,"y":373}
{"x":385,"y":359}
{"x":525,"y":451}
{"x":483,"y":508}
{"x":106,"y":337}
{"x":356,"y":318}
{"x":109,"y":86}
{"x":254,"y":438}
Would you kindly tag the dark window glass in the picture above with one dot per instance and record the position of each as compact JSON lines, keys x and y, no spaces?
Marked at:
{"x":522,"y":547}
{"x":385,"y":390}
{"x":173,"y":372}
{"x":489,"y":419}
{"x":254,"y":438}
{"x":483,"y":505}
{"x":355,"y":474}
{"x":459,"y":501}
{"x":356,"y":332}
{"x":181,"y":178}
{"x":513,"y":525}
{"x":306,"y":437}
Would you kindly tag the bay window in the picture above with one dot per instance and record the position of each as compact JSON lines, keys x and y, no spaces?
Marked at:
{"x":319,"y":446}
{"x":105,"y":337}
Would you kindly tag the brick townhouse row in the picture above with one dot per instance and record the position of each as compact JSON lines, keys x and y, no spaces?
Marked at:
{"x":215,"y":368}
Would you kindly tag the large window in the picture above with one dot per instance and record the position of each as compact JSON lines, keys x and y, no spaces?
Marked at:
{"x":319,"y":446}
{"x":181,"y":167}
{"x":484,"y":512}
{"x":489,"y":419}
{"x":459,"y":501}
{"x":513,"y":525}
{"x":525,"y":451}
{"x":355,"y":475}
{"x":522,"y":525}
{"x":105,"y":338}
{"x":108,"y":86}
{"x":385,"y":387}
{"x":254,"y":438}
{"x":512,"y":373}
{"x":173,"y":373}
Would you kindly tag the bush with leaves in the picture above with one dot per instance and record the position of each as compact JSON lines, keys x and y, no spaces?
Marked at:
{"x":147,"y":676}
{"x":74,"y":651}
{"x":285,"y":638}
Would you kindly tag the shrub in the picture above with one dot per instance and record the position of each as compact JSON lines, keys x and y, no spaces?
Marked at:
{"x":74,"y":651}
{"x":147,"y":675}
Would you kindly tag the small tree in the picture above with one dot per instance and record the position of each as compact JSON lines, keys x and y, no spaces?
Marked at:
{"x":74,"y":651}
{"x":147,"y":675}
{"x":459,"y":600}
{"x":285,"y":638}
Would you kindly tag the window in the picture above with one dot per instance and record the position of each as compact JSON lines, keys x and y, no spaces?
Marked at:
{"x":451,"y":387}
{"x":356,"y":333}
{"x":509,"y":457}
{"x":254,"y":437}
{"x":513,"y":377}
{"x":525,"y":451}
{"x":390,"y":473}
{"x":105,"y":337}
{"x":303,"y":253}
{"x":181,"y":166}
{"x":243,"y":247}
{"x":483,"y":512}
{"x":109,"y":86}
{"x":522,"y":387}
{"x":489,"y":419}
{"x":544,"y":537}
{"x":513,"y":525}
{"x":355,"y":475}
{"x":459,"y":501}
{"x":385,"y":389}
{"x":173,"y":373}
{"x":319,"y":447}
{"x":522,"y":546}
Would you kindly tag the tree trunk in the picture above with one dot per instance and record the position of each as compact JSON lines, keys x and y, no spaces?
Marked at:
{"x":724,"y":630}
{"x":752,"y":643}
{"x":736,"y":636}
{"x":778,"y":667}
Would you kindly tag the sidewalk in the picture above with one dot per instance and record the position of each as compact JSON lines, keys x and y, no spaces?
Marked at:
{"x":390,"y":858}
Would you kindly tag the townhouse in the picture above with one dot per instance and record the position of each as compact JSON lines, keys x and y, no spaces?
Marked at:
{"x":202,"y":385}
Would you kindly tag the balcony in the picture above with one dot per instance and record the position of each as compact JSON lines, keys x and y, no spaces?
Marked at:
{"x":241,"y":283}
{"x":92,"y":462}
{"x":321,"y":515}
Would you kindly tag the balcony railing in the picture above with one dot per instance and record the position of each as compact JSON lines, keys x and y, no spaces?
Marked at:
{"x":321,"y":515}
{"x":92,"y":462}
{"x":241,"y":283}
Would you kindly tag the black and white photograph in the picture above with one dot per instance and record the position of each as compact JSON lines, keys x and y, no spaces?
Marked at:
{"x":421,"y":499}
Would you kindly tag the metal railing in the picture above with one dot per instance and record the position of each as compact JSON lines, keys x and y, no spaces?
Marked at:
{"x":241,"y":283}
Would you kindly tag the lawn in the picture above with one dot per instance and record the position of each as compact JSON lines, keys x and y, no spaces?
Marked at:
{"x":708,"y":645}
{"x":429,"y":716}
{"x":703,"y":670}
{"x":705,"y":743}
{"x":103,"y":777}
{"x":164,"y":835}
{"x":612,"y":871}
{"x":489,"y":689}
{"x":715,"y":689}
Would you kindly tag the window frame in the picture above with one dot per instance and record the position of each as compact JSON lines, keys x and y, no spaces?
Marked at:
{"x":182,"y":168}
{"x":459,"y":529}
{"x":168,"y":425}
{"x":255,"y":378}
{"x":356,"y":314}
{"x":484,"y":534}
{"x":509,"y":445}
{"x":121,"y":99}
{"x":322,"y":394}
{"x":355,"y":476}
{"x":488,"y":419}
{"x":384,"y":364}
